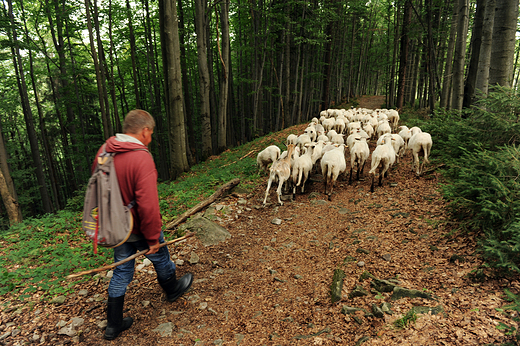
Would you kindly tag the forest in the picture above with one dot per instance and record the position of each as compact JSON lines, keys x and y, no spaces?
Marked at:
{"x":219,"y":74}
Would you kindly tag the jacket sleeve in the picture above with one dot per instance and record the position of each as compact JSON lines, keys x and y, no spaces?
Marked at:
{"x":147,"y":200}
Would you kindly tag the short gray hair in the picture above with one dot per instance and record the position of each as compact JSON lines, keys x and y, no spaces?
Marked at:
{"x":136,"y":120}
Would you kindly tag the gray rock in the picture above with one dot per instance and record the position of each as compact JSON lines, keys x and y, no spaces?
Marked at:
{"x":242,"y":201}
{"x":102,"y":324}
{"x":361,"y":264}
{"x":343,"y":211}
{"x":349,"y":310}
{"x":164,"y":329}
{"x":400,"y":292}
{"x":382,"y":285}
{"x":427,"y":309}
{"x":276,"y":221}
{"x":80,"y":293}
{"x":376,"y":310}
{"x":385,"y":307}
{"x":70,"y":328}
{"x":5,"y":335}
{"x":179,"y":262}
{"x":358,"y":291}
{"x":387,"y":257}
{"x":313,"y":195}
{"x":337,"y":285}
{"x":145,"y":303}
{"x":58,"y":300}
{"x":207,"y":231}
{"x":194,"y":258}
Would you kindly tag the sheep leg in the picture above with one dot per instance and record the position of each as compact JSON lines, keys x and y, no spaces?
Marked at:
{"x":267,"y":190}
{"x":372,"y":183}
{"x":279,"y":191}
{"x":350,"y":177}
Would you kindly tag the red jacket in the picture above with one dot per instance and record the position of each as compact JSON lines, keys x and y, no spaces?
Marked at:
{"x":137,"y":178}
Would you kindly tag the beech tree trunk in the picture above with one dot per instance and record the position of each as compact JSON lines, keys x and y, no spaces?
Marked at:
{"x":460,"y":54}
{"x":448,"y":77}
{"x":201,"y":22}
{"x":224,"y":80}
{"x":173,"y":87}
{"x":403,"y":60}
{"x":503,"y":43}
{"x":484,"y":62}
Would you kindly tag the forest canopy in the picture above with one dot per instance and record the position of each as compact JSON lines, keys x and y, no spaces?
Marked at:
{"x":218,"y":74}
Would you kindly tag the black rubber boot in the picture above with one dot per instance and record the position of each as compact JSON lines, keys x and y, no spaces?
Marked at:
{"x":175,"y":288}
{"x":116,"y":323}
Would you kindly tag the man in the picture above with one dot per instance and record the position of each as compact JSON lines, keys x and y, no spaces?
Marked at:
{"x":137,"y":177}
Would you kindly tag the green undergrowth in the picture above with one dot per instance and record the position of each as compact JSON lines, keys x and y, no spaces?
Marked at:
{"x":37,"y":254}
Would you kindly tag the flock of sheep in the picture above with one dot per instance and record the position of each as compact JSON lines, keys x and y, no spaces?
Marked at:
{"x":323,"y":148}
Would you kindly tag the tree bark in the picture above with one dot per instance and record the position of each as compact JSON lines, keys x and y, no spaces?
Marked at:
{"x":481,"y":83}
{"x":476,"y":42}
{"x":173,"y":87}
{"x":460,"y":54}
{"x":104,"y":117}
{"x":503,"y":43}
{"x":446,"y":82}
{"x":403,"y":60}
{"x":224,"y":80}
{"x":201,"y":22}
{"x":133,"y":54}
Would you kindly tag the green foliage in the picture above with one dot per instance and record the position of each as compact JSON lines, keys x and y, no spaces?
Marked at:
{"x":405,"y":321}
{"x":480,"y":149}
{"x":515,"y":308}
{"x":38,"y":254}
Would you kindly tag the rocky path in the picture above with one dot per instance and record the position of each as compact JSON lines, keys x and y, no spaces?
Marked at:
{"x":270,"y":282}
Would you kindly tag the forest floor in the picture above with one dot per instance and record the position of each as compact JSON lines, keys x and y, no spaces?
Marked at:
{"x":270,"y":283}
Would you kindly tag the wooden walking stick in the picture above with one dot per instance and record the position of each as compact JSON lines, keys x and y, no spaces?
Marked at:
{"x":112,"y":266}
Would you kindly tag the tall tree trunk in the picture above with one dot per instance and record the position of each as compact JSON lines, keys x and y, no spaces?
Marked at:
{"x":224,"y":81}
{"x":476,"y":41}
{"x":481,"y":83}
{"x":325,"y":98}
{"x":133,"y":54}
{"x":117,"y":121}
{"x":12,"y":196}
{"x":29,"y":122}
{"x":201,"y":22}
{"x":173,"y":87}
{"x":503,"y":43}
{"x":446,"y":82}
{"x":99,"y":82}
{"x":431,"y":59}
{"x":403,"y":60}
{"x":460,"y":54}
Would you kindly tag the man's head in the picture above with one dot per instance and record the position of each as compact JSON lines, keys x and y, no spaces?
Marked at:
{"x":139,"y":124}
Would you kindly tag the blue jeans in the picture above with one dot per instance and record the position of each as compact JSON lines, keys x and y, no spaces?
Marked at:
{"x":124,"y":273}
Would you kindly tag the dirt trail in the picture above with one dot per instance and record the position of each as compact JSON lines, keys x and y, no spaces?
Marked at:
{"x":270,"y":283}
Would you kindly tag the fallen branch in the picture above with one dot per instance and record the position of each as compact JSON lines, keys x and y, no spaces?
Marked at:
{"x":112,"y":266}
{"x":228,"y":186}
{"x":433,"y":169}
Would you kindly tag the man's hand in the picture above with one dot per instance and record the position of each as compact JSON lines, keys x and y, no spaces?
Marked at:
{"x":154,"y":248}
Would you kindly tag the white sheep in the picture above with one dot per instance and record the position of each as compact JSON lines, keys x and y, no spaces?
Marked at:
{"x":323,"y":138}
{"x":331,"y":134}
{"x":359,"y":153}
{"x":301,"y":168}
{"x":369,"y":129}
{"x":266,"y":157}
{"x":397,"y":142}
{"x":337,"y":139}
{"x":291,"y":139}
{"x":383,"y":157}
{"x":311,"y":132}
{"x":280,"y":171}
{"x":302,"y":140}
{"x":328,"y":124}
{"x":340,"y":125}
{"x":332,"y":165}
{"x":420,"y":142}
{"x":393,"y":118}
{"x":406,"y":134}
{"x":352,"y":137}
{"x":383,"y":128}
{"x":415,"y":130}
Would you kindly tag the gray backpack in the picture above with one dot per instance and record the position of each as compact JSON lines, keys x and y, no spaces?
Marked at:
{"x":106,"y":220}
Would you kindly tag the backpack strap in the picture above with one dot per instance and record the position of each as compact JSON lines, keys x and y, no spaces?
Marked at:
{"x":103,"y":157}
